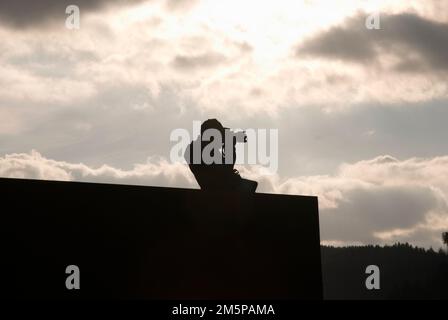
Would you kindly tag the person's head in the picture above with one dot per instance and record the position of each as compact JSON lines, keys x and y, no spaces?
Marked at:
{"x":213,"y":124}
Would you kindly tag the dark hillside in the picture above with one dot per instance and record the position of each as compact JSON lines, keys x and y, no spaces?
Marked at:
{"x":406,"y":272}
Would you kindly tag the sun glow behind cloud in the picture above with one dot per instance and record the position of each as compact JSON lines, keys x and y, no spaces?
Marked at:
{"x":226,"y":54}
{"x":271,"y":27}
{"x":211,"y":38}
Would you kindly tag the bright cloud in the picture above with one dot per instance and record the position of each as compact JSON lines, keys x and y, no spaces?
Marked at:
{"x":381,"y":200}
{"x":34,"y":166}
{"x":226,"y":55}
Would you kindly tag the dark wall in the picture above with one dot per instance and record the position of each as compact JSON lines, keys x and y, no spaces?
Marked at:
{"x":157,"y":243}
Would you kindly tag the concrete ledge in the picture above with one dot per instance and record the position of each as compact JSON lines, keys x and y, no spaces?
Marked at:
{"x":157,"y":243}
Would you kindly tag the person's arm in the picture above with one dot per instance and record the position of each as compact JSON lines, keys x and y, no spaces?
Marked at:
{"x":230,"y":156}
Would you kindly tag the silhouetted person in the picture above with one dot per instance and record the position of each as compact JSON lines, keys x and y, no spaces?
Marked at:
{"x":211,"y":164}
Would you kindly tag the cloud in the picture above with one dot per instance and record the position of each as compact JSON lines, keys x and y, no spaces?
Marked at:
{"x":28,"y":13}
{"x":381,"y":200}
{"x":25,"y":14}
{"x":209,"y":57}
{"x":180,"y":5}
{"x":154,"y":172}
{"x":363,"y":213}
{"x":416,"y":43}
{"x":192,"y":62}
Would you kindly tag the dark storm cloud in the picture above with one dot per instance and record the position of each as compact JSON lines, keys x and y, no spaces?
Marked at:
{"x":419,"y":43}
{"x":30,"y":13}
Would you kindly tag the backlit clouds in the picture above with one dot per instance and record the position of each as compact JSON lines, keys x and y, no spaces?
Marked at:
{"x":381,"y":200}
{"x":109,"y":94}
{"x":188,"y":63}
{"x":298,"y":53}
{"x":416,"y":43}
{"x":34,"y":166}
{"x":29,"y":13}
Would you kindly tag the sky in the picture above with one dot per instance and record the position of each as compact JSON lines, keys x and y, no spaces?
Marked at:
{"x":360,"y":113}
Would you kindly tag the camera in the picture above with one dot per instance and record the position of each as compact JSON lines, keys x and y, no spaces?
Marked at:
{"x":237,"y":136}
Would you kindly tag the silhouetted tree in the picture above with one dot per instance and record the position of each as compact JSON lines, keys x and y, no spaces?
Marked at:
{"x":445,"y":239}
{"x":409,"y":272}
